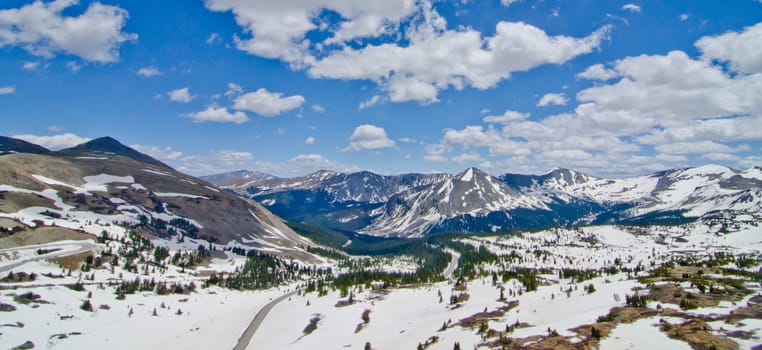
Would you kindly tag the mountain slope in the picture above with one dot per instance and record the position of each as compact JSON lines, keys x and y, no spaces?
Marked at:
{"x":105,"y":146}
{"x":9,"y":145}
{"x":472,"y":192}
{"x":91,"y":194}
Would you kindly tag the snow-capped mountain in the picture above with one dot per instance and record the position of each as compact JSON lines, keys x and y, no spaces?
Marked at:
{"x":471,"y":193}
{"x":691,"y":191}
{"x":102,"y":184}
{"x":474,"y":201}
{"x":362,"y":186}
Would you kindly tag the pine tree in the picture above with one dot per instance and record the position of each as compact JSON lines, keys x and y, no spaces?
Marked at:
{"x":367,"y":346}
{"x":595,"y":333}
{"x":87,"y":306}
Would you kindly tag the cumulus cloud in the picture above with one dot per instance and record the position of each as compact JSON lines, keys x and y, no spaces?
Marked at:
{"x":182,"y":95}
{"x":165,"y":154}
{"x":557,"y":99}
{"x":303,"y":164}
{"x":631,"y":8}
{"x":741,"y":49}
{"x":470,"y":157}
{"x":309,"y":140}
{"x":278,"y":29}
{"x":267,"y":104}
{"x":507,"y":117}
{"x":437,"y":60}
{"x":218,"y":115}
{"x":42,"y":29}
{"x":7,"y":90}
{"x":149,"y":71}
{"x":418,"y":57}
{"x":598,"y":72}
{"x":233,"y":90}
{"x":369,"y":137}
{"x":54,"y":142}
{"x":661,"y":111}
{"x":370,"y":102}
{"x":214,"y":162}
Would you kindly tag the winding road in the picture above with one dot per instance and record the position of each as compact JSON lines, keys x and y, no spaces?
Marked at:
{"x":65,"y":248}
{"x":248,"y":334}
{"x":245,"y":339}
{"x":453,"y":264}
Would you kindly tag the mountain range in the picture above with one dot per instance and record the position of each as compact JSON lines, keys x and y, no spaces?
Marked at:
{"x":92,"y":186}
{"x":413,"y":205}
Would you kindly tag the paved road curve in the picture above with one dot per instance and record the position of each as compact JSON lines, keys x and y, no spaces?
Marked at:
{"x":245,"y":339}
{"x":66,"y":248}
{"x":453,"y":263}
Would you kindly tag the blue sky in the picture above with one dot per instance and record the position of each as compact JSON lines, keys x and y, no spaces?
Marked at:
{"x":611,"y":88}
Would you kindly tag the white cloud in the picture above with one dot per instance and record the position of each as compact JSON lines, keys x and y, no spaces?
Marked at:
{"x":318,"y":108}
{"x":436,"y":60}
{"x":54,"y":142}
{"x":233,"y":90}
{"x":470,"y":157}
{"x":741,"y":49}
{"x":218,"y":115}
{"x":684,"y":17}
{"x":598,"y":72}
{"x":475,"y":136}
{"x":149,"y":71}
{"x":41,"y":29}
{"x":214,"y":162}
{"x":698,"y":147}
{"x":31,"y":66}
{"x":436,"y":153}
{"x":309,"y":140}
{"x":507,"y":3}
{"x":74,"y":66}
{"x":278,"y":29}
{"x":631,"y":8}
{"x":214,"y":37}
{"x":165,"y":154}
{"x":553,"y":99}
{"x":750,"y":161}
{"x":303,"y":164}
{"x":720,"y":157}
{"x":662,"y":111}
{"x":267,"y":103}
{"x":7,"y":90}
{"x":369,"y":137}
{"x":182,"y":95}
{"x":507,"y":117}
{"x":370,"y":102}
{"x":55,"y":128}
{"x":423,"y":57}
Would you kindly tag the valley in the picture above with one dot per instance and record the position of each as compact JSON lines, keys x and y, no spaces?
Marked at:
{"x":108,"y":249}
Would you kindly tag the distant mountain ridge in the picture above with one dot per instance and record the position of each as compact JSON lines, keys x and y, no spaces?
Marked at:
{"x":474,"y":201}
{"x":237,"y":178}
